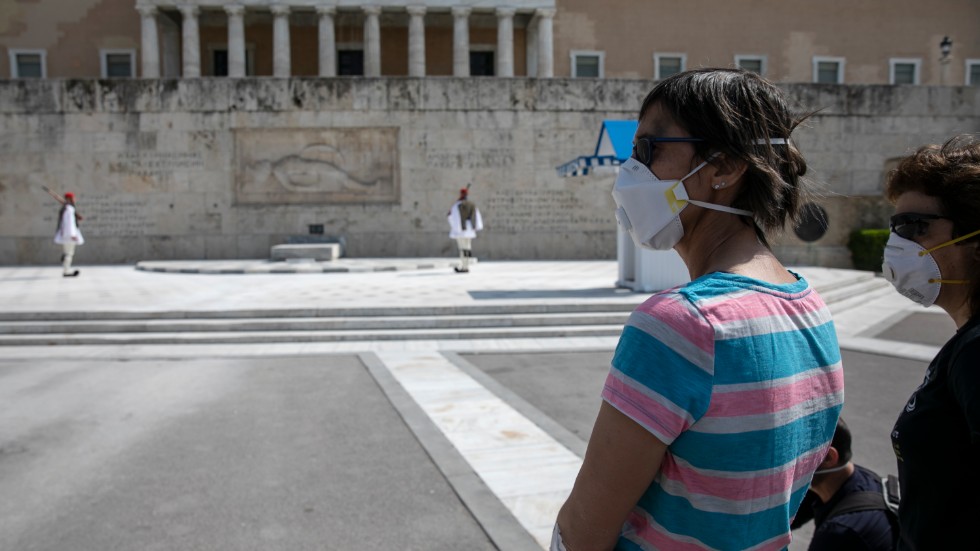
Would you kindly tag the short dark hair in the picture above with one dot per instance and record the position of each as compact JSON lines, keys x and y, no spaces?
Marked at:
{"x":738,"y":113}
{"x":950,"y":173}
{"x":842,"y":441}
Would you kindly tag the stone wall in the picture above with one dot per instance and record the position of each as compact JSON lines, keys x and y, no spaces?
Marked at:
{"x":217,"y":168}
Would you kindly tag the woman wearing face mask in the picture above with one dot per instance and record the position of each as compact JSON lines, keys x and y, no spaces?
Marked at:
{"x":933,"y":257}
{"x":724,"y":393}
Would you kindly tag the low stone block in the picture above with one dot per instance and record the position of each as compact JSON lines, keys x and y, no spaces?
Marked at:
{"x":316,"y":251}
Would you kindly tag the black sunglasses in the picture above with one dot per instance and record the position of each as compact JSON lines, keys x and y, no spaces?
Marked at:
{"x":909,"y":225}
{"x":643,"y":147}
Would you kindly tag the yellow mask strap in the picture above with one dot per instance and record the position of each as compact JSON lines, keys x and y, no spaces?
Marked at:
{"x":950,"y":242}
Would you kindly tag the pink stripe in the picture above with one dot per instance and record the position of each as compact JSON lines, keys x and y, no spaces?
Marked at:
{"x":674,"y":311}
{"x":742,"y":489}
{"x":776,"y":398}
{"x":657,"y":538}
{"x":777,"y":544}
{"x":643,"y":409}
{"x":759,"y":305}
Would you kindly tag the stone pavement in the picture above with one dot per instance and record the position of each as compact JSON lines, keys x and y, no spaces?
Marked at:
{"x":510,"y":465}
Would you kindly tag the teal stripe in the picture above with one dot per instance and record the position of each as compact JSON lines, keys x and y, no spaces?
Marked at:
{"x":720,"y":283}
{"x":770,"y":356}
{"x":720,"y":530}
{"x":655,"y":366}
{"x":756,"y":450}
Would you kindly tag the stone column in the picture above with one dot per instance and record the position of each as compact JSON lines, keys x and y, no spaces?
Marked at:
{"x":372,"y":41}
{"x":531,"y":48}
{"x":505,"y":42}
{"x":236,"y":40}
{"x":150,"y":41}
{"x":461,"y":41}
{"x":416,"y":41}
{"x":280,"y":41}
{"x":191,"y":40}
{"x":546,"y":47}
{"x":328,"y":41}
{"x":169,"y":31}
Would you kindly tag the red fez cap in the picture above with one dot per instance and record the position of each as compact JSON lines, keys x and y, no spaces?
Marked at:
{"x":70,"y":195}
{"x":463,"y":191}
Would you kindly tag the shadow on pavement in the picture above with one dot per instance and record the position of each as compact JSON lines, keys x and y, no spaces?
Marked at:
{"x":600,"y":292}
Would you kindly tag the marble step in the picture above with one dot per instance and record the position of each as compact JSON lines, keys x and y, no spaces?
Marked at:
{"x":509,"y":308}
{"x":264,"y":337}
{"x":855,"y":294}
{"x":361,"y":323}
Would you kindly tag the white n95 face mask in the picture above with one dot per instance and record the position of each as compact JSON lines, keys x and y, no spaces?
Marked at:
{"x":649,"y":208}
{"x":912,"y":270}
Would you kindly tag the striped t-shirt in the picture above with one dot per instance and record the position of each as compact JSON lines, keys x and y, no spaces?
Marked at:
{"x":742,"y":379}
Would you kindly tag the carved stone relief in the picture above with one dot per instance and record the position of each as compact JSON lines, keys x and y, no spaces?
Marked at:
{"x":310,"y":166}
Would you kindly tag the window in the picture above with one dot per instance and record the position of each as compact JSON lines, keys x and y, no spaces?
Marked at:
{"x":665,"y":65}
{"x":828,"y":70}
{"x":588,"y":64}
{"x":118,"y":63}
{"x":903,"y":71}
{"x":28,"y":63}
{"x":973,"y":72}
{"x":482,"y":63}
{"x":350,"y":62}
{"x":754,"y":63}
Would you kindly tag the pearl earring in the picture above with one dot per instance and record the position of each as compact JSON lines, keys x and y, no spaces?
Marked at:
{"x":718,"y":186}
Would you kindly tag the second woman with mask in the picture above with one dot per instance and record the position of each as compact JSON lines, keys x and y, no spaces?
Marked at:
{"x":933,"y":257}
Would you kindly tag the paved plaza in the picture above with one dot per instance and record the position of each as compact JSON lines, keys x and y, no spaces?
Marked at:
{"x":399,"y":441}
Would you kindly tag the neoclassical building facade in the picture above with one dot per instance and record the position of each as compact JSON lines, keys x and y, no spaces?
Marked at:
{"x":317,"y":26}
{"x":832,"y":42}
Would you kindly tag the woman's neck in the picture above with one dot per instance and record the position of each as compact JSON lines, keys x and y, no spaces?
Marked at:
{"x":735,"y":249}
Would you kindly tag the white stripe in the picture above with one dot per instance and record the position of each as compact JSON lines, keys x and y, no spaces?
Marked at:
{"x":777,"y":323}
{"x":486,"y":431}
{"x":766,"y":421}
{"x":713,"y":504}
{"x":782,"y":381}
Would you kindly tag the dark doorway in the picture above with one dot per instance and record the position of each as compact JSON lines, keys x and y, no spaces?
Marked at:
{"x":481,"y":64}
{"x":350,"y":62}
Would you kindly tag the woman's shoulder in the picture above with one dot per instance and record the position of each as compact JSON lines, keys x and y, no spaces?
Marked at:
{"x":964,"y":349}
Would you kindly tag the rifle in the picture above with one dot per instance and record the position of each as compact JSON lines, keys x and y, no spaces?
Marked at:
{"x":61,"y":200}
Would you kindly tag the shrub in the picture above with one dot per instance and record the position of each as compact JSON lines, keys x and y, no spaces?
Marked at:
{"x":867,"y":248}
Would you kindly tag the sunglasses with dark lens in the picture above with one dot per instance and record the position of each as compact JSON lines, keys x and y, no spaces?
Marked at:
{"x":643,"y":147}
{"x":909,"y":225}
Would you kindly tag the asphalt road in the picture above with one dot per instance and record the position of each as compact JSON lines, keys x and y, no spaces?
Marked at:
{"x":229,"y":453}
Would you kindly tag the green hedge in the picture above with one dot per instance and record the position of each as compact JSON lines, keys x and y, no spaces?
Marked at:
{"x":867,"y":248}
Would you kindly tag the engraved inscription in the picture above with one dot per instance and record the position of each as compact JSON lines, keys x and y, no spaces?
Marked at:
{"x":543,"y":210}
{"x":155,"y":163}
{"x":115,"y":216}
{"x":487,"y":158}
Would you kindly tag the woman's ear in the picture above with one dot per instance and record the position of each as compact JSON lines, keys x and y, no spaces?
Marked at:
{"x":726,"y":170}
